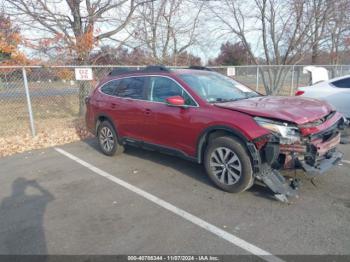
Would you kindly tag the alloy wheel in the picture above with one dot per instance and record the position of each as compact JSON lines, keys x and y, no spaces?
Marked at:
{"x":225,"y":165}
{"x":106,"y":139}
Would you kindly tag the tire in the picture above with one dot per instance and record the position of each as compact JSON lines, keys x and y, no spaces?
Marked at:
{"x":108,"y":139}
{"x":228,"y":164}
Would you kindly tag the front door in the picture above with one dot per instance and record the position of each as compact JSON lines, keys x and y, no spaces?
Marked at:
{"x":170,"y":126}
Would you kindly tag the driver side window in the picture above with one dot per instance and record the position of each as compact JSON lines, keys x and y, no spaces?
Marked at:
{"x":162,"y":88}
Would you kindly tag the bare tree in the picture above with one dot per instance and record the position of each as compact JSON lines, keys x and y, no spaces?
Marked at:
{"x":328,"y":28}
{"x":338,"y":29}
{"x":279,"y":27}
{"x":167,"y":29}
{"x":74,"y":25}
{"x":318,"y":13}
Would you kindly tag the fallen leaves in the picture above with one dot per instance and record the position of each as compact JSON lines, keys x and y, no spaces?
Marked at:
{"x":50,"y":134}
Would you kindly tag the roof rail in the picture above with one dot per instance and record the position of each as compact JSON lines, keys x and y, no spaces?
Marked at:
{"x":119,"y":71}
{"x":200,"y":68}
{"x":148,"y":69}
{"x":156,"y":68}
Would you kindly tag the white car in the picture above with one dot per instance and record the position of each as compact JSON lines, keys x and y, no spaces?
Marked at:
{"x":335,"y":91}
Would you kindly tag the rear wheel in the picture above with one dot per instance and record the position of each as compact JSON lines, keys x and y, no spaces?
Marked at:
{"x":228,"y":164}
{"x":108,"y":140}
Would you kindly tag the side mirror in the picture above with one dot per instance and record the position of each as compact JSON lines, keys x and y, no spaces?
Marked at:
{"x":175,"y":101}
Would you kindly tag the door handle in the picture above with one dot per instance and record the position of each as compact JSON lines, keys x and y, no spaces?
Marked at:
{"x":113,"y":105}
{"x":148,"y":111}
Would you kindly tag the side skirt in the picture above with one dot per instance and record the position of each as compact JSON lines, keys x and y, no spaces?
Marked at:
{"x":159,"y":148}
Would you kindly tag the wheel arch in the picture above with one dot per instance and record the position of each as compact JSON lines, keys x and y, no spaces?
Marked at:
{"x":103,"y":117}
{"x":213,"y":132}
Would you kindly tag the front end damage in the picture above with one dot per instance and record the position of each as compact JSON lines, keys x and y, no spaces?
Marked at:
{"x":311,"y":147}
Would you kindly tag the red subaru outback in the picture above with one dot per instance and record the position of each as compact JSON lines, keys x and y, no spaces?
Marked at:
{"x":239,"y":135}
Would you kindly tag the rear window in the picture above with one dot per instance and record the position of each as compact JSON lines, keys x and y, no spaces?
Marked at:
{"x":110,"y":87}
{"x":343,"y":83}
{"x":133,"y":87}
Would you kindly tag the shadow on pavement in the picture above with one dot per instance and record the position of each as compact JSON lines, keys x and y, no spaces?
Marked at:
{"x":191,"y":169}
{"x":188,"y":168}
{"x":22,"y":218}
{"x":262,"y":191}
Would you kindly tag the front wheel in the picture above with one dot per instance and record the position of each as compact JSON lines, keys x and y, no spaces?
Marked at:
{"x":228,"y":164}
{"x":108,"y":140}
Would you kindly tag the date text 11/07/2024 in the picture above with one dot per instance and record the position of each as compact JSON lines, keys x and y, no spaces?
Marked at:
{"x":173,"y":258}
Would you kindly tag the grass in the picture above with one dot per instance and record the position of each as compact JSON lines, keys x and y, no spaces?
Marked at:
{"x":15,"y":117}
{"x":56,"y":118}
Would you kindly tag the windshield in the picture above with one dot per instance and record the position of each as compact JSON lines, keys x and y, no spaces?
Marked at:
{"x":214,"y":87}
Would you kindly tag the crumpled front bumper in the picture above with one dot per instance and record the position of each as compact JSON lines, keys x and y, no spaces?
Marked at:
{"x":315,"y":153}
{"x":323,"y":166}
{"x":326,"y":156}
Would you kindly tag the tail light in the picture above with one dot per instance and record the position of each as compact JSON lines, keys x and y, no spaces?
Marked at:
{"x":299,"y":92}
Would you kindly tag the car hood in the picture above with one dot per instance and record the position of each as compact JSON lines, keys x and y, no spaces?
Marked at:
{"x":291,"y":109}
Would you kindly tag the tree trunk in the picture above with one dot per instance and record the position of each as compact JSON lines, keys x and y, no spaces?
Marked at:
{"x":84,"y":90}
{"x":314,"y":55}
{"x":273,"y":79}
{"x":84,"y":86}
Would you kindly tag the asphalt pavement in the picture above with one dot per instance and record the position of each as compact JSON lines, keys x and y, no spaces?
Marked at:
{"x":54,"y":204}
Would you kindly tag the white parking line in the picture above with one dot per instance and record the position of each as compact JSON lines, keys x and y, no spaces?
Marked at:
{"x":178,"y":211}
{"x":346,"y":161}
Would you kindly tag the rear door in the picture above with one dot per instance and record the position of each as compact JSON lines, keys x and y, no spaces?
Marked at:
{"x":337,"y":93}
{"x":103,"y":101}
{"x":340,"y":96}
{"x":129,"y":104}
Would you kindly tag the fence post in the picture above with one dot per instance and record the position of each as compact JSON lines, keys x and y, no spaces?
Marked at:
{"x":29,"y":104}
{"x":257,"y":78}
{"x":291,"y":87}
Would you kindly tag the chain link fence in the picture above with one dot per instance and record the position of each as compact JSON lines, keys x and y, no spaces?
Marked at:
{"x":278,"y":80}
{"x":36,"y":99}
{"x":39,"y":99}
{"x":13,"y":103}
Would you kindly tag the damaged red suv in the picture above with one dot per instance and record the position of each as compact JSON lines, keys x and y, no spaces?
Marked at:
{"x":239,"y":135}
